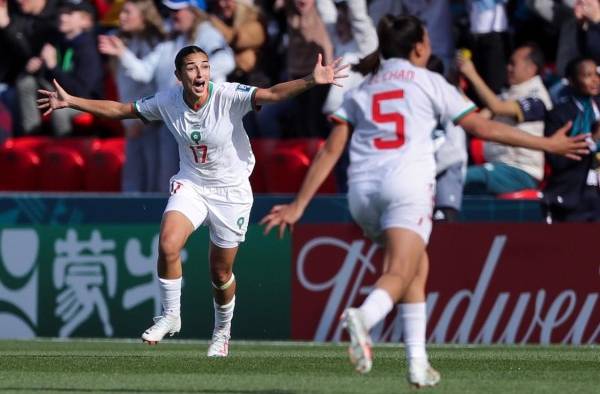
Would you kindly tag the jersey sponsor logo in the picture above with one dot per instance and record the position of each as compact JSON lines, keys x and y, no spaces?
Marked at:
{"x":243,"y":88}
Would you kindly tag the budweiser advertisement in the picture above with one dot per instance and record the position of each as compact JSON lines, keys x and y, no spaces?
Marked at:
{"x":488,"y":283}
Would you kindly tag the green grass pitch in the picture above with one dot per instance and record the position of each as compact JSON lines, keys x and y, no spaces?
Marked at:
{"x":266,"y":367}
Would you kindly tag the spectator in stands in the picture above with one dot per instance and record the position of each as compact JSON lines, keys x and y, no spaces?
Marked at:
{"x":141,"y":30}
{"x":559,"y":14}
{"x":307,"y":38}
{"x":523,"y":105}
{"x":25,"y":26}
{"x":74,"y":61}
{"x":587,"y":13}
{"x":244,"y":29}
{"x":489,"y":27}
{"x":436,"y":16}
{"x":190,"y":26}
{"x":450,"y":144}
{"x":353,"y":36}
{"x":573,"y":193}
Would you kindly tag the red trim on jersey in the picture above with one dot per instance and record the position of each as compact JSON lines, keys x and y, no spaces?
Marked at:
{"x":336,"y":119}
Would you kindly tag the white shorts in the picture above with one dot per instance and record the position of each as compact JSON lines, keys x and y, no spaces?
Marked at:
{"x":402,"y":200}
{"x":225,"y":210}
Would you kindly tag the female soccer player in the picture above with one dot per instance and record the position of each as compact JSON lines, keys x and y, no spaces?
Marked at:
{"x":391,"y":178}
{"x":212,"y":186}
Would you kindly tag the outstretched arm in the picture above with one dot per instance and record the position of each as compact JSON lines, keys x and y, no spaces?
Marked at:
{"x":321,"y":75}
{"x":58,"y":99}
{"x":328,"y":155}
{"x":486,"y":95}
{"x":559,"y":143}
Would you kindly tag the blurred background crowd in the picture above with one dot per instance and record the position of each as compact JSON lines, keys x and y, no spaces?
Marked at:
{"x":529,"y":63}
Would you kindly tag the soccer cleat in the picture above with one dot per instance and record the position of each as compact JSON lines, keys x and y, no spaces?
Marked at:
{"x":360,"y":341}
{"x":421,"y":374}
{"x":163,"y":325}
{"x":219,"y":346}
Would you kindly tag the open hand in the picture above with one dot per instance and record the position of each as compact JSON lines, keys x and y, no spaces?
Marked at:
{"x":570,"y":147}
{"x":111,"y":45}
{"x":283,"y":216}
{"x":33,"y":65}
{"x":330,"y":74}
{"x":51,"y":101}
{"x":49,"y":55}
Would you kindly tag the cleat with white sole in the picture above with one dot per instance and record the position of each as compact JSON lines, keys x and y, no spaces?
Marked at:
{"x":219,"y":346}
{"x":163,"y":325}
{"x":360,"y":341}
{"x":421,"y":374}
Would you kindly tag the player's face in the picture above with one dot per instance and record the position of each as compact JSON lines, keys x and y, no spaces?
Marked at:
{"x":195,"y":74}
{"x":520,"y":68}
{"x":130,"y":18}
{"x":587,"y":82}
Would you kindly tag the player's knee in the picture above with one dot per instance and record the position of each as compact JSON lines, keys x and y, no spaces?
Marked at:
{"x":220,"y":277}
{"x":169,"y":246}
{"x":223,"y":280}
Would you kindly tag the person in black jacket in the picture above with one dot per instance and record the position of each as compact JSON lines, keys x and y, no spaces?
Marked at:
{"x":73,"y":60}
{"x":573,"y":192}
{"x":25,"y":26}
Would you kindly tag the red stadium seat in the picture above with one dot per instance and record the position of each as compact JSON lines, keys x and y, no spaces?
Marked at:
{"x":62,"y":169}
{"x":19,"y":169}
{"x":476,"y":150}
{"x":104,"y":166}
{"x":263,"y":149}
{"x":286,"y":169}
{"x":34,"y":143}
{"x":525,"y":194}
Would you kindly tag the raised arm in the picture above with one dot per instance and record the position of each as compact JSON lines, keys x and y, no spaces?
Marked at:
{"x":559,"y":143}
{"x":58,"y":99}
{"x":486,"y":95}
{"x":328,"y":155}
{"x":321,"y":75}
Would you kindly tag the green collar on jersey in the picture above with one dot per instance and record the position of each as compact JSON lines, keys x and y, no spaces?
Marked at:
{"x":210,"y":89}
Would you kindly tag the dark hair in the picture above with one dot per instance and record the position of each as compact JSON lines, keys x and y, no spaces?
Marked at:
{"x":398,"y":36}
{"x":183,"y":52}
{"x":573,"y":66}
{"x":536,"y":55}
{"x":435,"y":64}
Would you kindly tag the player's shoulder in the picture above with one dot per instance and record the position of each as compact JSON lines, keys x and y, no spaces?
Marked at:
{"x":231,"y":87}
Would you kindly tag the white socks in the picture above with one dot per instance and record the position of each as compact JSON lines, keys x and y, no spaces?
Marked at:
{"x":224,"y":313}
{"x":376,"y":307}
{"x":414,"y":322}
{"x":170,"y":296}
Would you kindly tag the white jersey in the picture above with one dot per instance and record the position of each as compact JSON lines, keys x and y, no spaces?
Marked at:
{"x":394,"y":113}
{"x":214,"y":149}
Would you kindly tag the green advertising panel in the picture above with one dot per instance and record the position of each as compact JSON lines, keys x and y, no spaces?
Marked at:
{"x":99,"y":281}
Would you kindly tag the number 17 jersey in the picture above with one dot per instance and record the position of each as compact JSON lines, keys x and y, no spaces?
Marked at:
{"x":393,"y":113}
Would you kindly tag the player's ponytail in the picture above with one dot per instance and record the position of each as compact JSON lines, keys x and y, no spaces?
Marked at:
{"x":368,"y":64}
{"x":398,"y":36}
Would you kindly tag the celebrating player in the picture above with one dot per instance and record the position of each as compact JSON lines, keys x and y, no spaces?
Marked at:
{"x":212,"y":186}
{"x":391,"y":178}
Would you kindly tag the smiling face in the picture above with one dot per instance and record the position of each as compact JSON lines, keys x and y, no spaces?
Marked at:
{"x":587,"y":80}
{"x":194,"y":74}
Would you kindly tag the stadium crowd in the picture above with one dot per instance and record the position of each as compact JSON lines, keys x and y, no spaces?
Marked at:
{"x":529,"y":63}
